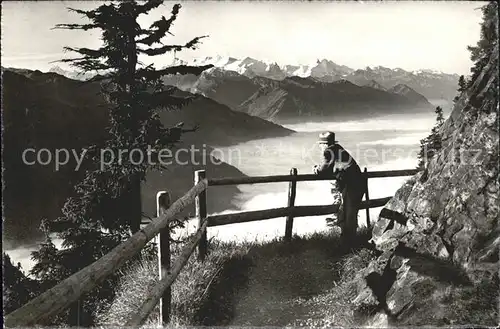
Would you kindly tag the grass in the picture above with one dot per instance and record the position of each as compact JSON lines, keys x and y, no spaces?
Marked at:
{"x":311,"y":282}
{"x":189,"y":291}
{"x":334,"y":306}
{"x":236,"y":278}
{"x":292,"y":283}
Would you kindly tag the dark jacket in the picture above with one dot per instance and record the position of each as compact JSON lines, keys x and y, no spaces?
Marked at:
{"x":338,"y":163}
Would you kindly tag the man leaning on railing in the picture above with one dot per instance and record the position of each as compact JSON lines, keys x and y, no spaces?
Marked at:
{"x":349,"y":180}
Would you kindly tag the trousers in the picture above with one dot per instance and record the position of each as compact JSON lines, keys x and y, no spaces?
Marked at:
{"x":353,"y":187}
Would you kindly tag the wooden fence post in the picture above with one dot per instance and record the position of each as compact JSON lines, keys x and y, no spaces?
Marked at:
{"x":292,"y":191}
{"x":74,"y":314}
{"x":201,"y":213}
{"x":367,"y":198}
{"x":163,"y":201}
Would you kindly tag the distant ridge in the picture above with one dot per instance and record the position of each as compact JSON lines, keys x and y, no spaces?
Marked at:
{"x":375,"y":84}
{"x":296,"y":98}
{"x":430,"y":83}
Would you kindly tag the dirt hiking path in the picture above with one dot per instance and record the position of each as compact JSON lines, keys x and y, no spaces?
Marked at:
{"x":281,"y":285}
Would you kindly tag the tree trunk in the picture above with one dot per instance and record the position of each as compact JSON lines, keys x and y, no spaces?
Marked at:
{"x":136,"y":205}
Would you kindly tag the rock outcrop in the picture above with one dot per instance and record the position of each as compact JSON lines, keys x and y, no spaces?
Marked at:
{"x":439,"y":237}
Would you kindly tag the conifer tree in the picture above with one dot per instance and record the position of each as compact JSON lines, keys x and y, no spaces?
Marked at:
{"x":480,"y":54}
{"x":439,"y":116}
{"x":106,"y":206}
{"x":431,"y":144}
{"x":17,"y":288}
{"x":462,"y":85}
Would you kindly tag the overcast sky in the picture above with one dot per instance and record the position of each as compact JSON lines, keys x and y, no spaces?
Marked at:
{"x":409,"y":35}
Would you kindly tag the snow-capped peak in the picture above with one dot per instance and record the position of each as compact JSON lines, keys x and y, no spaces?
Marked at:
{"x":327,"y":67}
{"x":72,"y":74}
{"x":177,"y":61}
{"x":303,"y":71}
{"x":58,"y":70}
{"x":427,"y":71}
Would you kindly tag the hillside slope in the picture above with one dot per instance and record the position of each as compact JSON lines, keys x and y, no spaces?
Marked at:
{"x":47,"y":110}
{"x":434,"y":85}
{"x":404,"y":90}
{"x":298,"y":99}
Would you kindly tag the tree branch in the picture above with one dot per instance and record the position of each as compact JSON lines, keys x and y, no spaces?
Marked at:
{"x":161,"y":27}
{"x":85,"y":63}
{"x":165,"y":100}
{"x":84,"y":27}
{"x":87,"y":51}
{"x":180,"y":69}
{"x":149,"y":5}
{"x":161,"y":50}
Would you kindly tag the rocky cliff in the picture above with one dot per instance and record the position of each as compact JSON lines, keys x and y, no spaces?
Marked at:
{"x":438,"y":237}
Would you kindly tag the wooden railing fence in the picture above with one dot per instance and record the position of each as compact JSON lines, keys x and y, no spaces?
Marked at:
{"x":53,"y":301}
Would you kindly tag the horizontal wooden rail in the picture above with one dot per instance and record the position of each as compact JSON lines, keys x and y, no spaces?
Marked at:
{"x":297,"y":211}
{"x":157,"y":291}
{"x":264,"y":179}
{"x":58,"y":298}
{"x":301,"y":178}
{"x":391,"y":173}
{"x":250,"y":216}
{"x":374,"y":203}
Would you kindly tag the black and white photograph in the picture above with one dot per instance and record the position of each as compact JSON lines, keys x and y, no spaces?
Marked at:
{"x":273,"y":164}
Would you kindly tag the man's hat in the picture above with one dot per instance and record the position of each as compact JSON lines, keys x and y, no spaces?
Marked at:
{"x":327,"y":138}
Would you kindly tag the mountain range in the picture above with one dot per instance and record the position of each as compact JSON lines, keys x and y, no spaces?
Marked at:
{"x":432,"y":84}
{"x":294,"y":93}
{"x":295,"y":99}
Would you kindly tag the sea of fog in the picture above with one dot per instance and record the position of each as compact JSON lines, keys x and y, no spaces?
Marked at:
{"x":386,"y":143}
{"x":378,"y":144}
